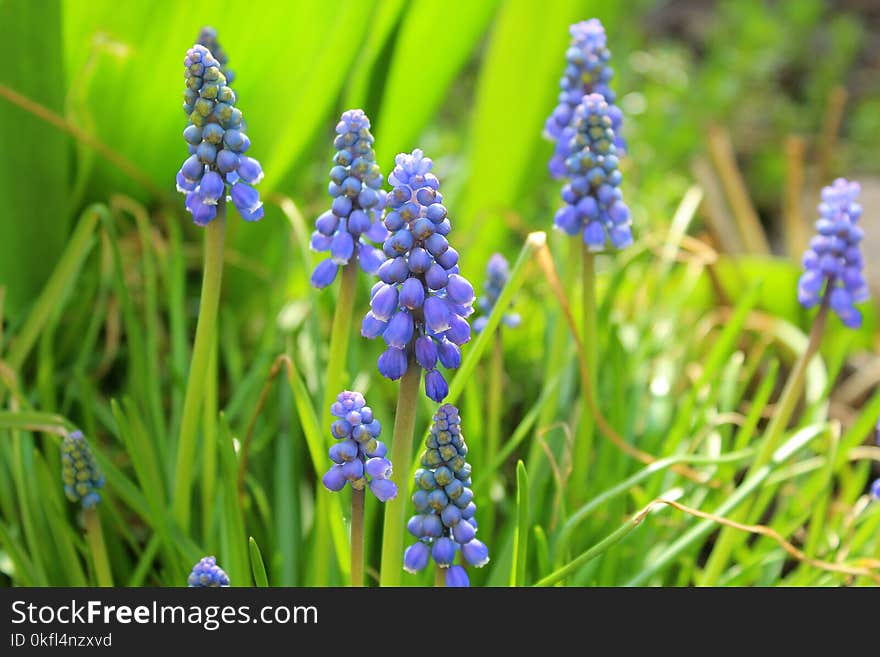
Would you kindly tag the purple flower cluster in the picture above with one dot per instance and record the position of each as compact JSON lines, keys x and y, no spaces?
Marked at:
{"x":217,"y":144}
{"x":358,"y":201}
{"x":421,"y":304}
{"x":207,"y":574}
{"x":834,"y":256}
{"x":586,"y":72}
{"x":208,"y":38}
{"x":79,"y":471}
{"x":444,"y":523}
{"x":593,"y":202}
{"x":358,"y":457}
{"x":497,"y":273}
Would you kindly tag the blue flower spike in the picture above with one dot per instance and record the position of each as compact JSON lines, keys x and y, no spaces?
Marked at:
{"x":207,"y":574}
{"x":354,"y":220}
{"x":359,"y":456}
{"x":594,"y":206}
{"x":833,"y":263}
{"x":79,"y":471}
{"x":421,"y":304}
{"x":217,"y":166}
{"x":497,"y":273}
{"x":208,"y":38}
{"x":587,"y":71}
{"x":444,"y":524}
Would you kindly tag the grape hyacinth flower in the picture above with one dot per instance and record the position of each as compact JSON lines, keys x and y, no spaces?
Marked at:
{"x":444,"y":523}
{"x":594,"y":204}
{"x":497,"y":273}
{"x":207,"y":574}
{"x":208,"y":38}
{"x":875,"y":490}
{"x":217,"y":163}
{"x":358,"y":457}
{"x":421,"y":304}
{"x":355,"y":215}
{"x":834,"y":257}
{"x":586,"y":72}
{"x":80,"y":473}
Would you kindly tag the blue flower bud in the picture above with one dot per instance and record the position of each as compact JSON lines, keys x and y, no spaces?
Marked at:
{"x":245,"y":197}
{"x":436,"y":387}
{"x":475,"y":553}
{"x":443,"y":552}
{"x":392,"y":363}
{"x":384,"y":303}
{"x":399,"y":330}
{"x":416,"y":557}
{"x":206,"y":573}
{"x":212,"y":188}
{"x":324,"y":274}
{"x":426,"y":352}
{"x":334,"y":480}
{"x":378,"y":468}
{"x":383,"y":489}
{"x":456,"y":577}
{"x":80,"y":474}
{"x":412,"y":293}
{"x":437,"y":315}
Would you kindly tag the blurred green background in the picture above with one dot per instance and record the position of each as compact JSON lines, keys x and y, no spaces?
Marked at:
{"x":470,"y":82}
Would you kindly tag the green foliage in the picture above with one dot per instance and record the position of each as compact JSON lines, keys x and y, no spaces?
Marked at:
{"x":99,"y":314}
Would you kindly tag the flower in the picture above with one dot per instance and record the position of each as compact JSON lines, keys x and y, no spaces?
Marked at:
{"x":421,"y":304}
{"x":217,"y":144}
{"x":355,"y":215}
{"x":593,"y":202}
{"x":834,"y":256}
{"x":875,"y":490}
{"x":497,"y":273}
{"x":586,"y":72}
{"x":206,"y":573}
{"x":359,"y":457}
{"x":444,"y":523}
{"x":79,"y":471}
{"x":208,"y":38}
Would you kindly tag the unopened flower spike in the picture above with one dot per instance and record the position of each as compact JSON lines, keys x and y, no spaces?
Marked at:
{"x":206,"y":573}
{"x":79,"y":471}
{"x":586,"y":72}
{"x":594,"y":204}
{"x":833,"y":264}
{"x":421,"y":304}
{"x":217,"y":163}
{"x":444,"y":523}
{"x":208,"y":38}
{"x":355,"y":216}
{"x":497,"y":273}
{"x":359,"y":456}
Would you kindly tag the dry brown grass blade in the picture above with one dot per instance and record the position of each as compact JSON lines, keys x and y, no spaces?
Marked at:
{"x":763,"y":530}
{"x":830,"y":128}
{"x":545,"y":262}
{"x":797,"y":235}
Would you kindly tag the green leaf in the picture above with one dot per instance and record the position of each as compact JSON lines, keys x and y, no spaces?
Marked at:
{"x":521,"y":533}
{"x":34,"y":169}
{"x":435,"y":41}
{"x":257,"y":566}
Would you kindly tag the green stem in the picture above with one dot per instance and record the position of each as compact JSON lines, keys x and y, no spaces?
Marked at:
{"x":584,"y":441}
{"x":401,"y":456}
{"x":99,"y":549}
{"x":439,"y":577}
{"x":494,"y":410}
{"x":339,"y":338}
{"x":334,"y":378}
{"x":729,"y":538}
{"x":195,"y":386}
{"x":357,"y":537}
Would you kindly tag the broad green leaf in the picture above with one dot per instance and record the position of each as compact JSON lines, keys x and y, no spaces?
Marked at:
{"x":34,"y":169}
